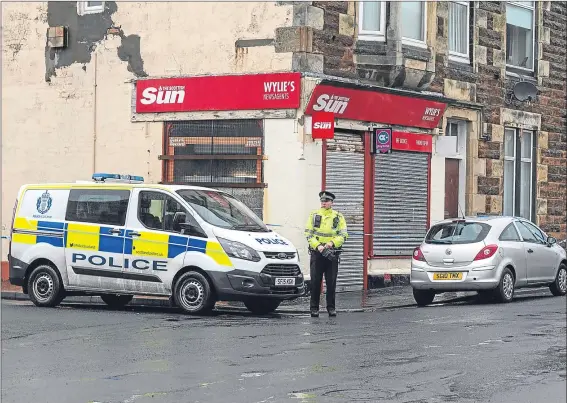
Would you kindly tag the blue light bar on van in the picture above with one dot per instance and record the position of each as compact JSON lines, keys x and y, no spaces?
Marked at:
{"x":102,"y":177}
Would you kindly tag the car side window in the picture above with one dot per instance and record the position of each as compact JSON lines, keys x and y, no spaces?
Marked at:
{"x":510,"y":234}
{"x":161,"y":212}
{"x":526,"y":233}
{"x":98,"y":206}
{"x":537,"y":232}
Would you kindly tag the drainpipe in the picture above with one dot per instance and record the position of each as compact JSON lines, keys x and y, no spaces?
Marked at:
{"x":94,"y":113}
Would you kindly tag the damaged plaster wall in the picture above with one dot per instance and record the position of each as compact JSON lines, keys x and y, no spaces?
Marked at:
{"x":48,"y":127}
{"x":85,"y":33}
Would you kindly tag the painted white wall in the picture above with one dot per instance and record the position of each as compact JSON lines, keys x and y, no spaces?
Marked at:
{"x":293,"y":174}
{"x":48,"y":128}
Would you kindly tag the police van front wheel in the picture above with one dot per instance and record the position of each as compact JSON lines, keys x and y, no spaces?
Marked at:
{"x":45,"y":288}
{"x":193,"y":293}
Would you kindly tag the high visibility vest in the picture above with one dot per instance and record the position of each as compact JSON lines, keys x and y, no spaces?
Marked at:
{"x":326,"y":225}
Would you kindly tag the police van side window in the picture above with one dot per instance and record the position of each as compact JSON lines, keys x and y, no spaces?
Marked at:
{"x":98,"y":206}
{"x":161,"y":212}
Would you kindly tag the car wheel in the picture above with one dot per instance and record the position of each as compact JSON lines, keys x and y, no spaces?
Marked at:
{"x":505,"y":290}
{"x":44,"y":287}
{"x":559,"y":286}
{"x":262,"y":306}
{"x":193,"y":294}
{"x":423,"y":297}
{"x":116,"y":301}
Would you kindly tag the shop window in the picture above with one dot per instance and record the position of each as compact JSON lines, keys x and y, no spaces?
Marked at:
{"x":372,"y":20}
{"x":215,"y":153}
{"x":519,"y":150}
{"x":458,"y":24}
{"x":90,"y":7}
{"x":520,"y":34}
{"x":414,"y":22}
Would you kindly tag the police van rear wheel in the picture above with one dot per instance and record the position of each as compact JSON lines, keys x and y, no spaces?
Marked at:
{"x":44,"y":287}
{"x":262,"y":306}
{"x":193,"y":293}
{"x":116,"y":301}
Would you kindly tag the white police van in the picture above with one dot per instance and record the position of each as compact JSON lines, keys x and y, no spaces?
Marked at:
{"x":117,"y":237}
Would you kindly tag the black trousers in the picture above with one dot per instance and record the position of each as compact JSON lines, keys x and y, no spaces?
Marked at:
{"x":321,"y":266}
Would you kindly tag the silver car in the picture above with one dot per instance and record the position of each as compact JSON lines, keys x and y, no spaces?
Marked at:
{"x":493,"y":255}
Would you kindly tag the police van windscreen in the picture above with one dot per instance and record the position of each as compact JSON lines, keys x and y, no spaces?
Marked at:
{"x":223,"y":210}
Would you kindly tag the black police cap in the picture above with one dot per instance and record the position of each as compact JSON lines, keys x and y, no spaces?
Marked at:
{"x":325,"y":195}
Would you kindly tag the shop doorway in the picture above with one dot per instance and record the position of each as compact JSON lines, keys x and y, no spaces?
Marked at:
{"x":452,"y":190}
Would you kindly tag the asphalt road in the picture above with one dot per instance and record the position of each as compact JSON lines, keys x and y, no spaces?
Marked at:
{"x":456,"y":352}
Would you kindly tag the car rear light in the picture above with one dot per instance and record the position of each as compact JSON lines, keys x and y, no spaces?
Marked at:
{"x":417,"y":255}
{"x":486,"y":252}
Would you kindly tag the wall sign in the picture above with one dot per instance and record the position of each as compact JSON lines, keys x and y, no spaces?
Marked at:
{"x":405,"y":141}
{"x":323,"y":125}
{"x":219,"y":93}
{"x":382,"y":141}
{"x":372,"y":106}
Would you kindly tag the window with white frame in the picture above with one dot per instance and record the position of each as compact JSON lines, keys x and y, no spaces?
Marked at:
{"x":90,"y":7}
{"x":458,"y":24}
{"x":520,"y":34}
{"x":518,"y":172}
{"x":413,"y":21}
{"x":372,"y":20}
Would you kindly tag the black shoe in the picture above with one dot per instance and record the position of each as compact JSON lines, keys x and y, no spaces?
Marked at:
{"x":314,"y":313}
{"x":332,"y":312}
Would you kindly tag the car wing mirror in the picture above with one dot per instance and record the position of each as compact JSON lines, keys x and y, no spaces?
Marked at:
{"x":188,"y":228}
{"x":551,"y":240}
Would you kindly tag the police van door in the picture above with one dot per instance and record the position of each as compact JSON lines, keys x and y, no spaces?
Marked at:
{"x":94,"y":240}
{"x":154,"y":248}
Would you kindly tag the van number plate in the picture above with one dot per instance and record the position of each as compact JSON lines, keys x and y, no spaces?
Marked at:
{"x":285,"y":281}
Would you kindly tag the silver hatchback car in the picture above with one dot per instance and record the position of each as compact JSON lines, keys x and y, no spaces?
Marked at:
{"x":492,"y":255}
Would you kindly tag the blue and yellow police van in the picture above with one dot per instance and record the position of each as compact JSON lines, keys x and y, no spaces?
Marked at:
{"x":116,"y":237}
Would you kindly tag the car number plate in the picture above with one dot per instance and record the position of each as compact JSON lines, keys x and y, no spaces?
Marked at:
{"x":448,"y":276}
{"x":285,"y":281}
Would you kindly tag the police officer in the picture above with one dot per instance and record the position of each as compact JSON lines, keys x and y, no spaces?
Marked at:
{"x":326,"y":232}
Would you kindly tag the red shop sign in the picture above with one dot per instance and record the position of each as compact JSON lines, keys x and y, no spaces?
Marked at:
{"x":379,"y":107}
{"x":323,"y":125}
{"x":219,"y":93}
{"x":404,"y":141}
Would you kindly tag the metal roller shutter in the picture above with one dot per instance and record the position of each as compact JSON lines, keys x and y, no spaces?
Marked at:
{"x":345,"y":178}
{"x":400,"y":202}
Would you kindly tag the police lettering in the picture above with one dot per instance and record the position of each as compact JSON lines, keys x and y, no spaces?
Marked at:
{"x":271,"y":241}
{"x":138,"y":264}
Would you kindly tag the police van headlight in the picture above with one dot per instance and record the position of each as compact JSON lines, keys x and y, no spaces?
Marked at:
{"x":239,"y":250}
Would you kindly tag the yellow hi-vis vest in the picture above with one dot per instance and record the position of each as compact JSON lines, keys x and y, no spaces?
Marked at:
{"x":326,"y":225}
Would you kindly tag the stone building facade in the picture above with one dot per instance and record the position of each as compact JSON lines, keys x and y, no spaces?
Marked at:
{"x":330,"y":38}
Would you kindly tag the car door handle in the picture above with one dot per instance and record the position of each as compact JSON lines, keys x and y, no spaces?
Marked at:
{"x":135,"y":234}
{"x":114,"y":231}
{"x":530,"y":251}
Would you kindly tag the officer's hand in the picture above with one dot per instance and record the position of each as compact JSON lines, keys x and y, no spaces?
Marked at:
{"x":329,"y":244}
{"x":320,"y":248}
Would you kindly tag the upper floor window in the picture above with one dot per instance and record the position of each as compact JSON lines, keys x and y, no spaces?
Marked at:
{"x":413,"y":20}
{"x":459,"y":30}
{"x":90,"y":7}
{"x":520,"y":34}
{"x":372,"y":20}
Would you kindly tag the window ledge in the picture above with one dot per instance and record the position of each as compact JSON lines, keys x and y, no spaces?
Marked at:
{"x":512,"y":71}
{"x":371,"y":37}
{"x":460,"y":59}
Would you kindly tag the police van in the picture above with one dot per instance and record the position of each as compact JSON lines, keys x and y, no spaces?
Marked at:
{"x":117,"y":237}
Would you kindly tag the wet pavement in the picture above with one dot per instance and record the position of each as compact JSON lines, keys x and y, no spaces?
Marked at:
{"x":459,"y":350}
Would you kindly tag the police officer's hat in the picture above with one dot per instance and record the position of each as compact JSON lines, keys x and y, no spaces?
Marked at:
{"x":326,"y":196}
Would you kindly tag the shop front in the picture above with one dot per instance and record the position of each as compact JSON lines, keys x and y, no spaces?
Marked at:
{"x":377,"y":160}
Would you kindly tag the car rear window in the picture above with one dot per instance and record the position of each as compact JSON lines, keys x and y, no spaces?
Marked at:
{"x":459,"y":232}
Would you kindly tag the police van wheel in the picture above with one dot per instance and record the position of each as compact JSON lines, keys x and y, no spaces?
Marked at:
{"x":44,"y":287}
{"x":262,"y":306}
{"x":193,"y":293}
{"x":116,"y":301}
